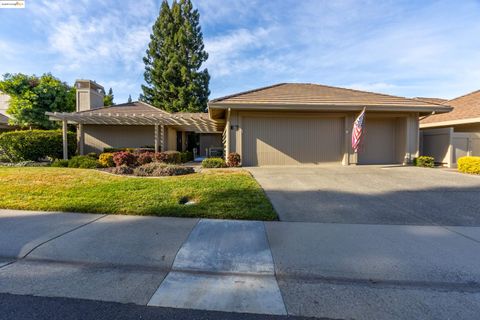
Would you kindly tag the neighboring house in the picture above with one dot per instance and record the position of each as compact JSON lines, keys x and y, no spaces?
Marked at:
{"x":284,"y":124}
{"x":4,"y":126}
{"x":449,"y":136}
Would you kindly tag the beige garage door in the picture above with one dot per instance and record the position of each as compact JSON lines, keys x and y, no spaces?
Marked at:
{"x":378,"y":146}
{"x":292,"y":140}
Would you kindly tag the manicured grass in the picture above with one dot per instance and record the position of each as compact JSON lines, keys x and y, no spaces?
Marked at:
{"x":218,"y":194}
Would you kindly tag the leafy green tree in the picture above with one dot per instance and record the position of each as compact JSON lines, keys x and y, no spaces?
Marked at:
{"x":175,"y":54}
{"x":108,"y":98}
{"x":129,"y":98}
{"x":32,"y":96}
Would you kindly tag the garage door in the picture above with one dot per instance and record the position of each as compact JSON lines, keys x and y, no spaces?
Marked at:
{"x":292,"y":140}
{"x":378,"y":146}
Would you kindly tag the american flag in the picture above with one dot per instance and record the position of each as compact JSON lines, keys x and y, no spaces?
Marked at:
{"x":357,"y":131}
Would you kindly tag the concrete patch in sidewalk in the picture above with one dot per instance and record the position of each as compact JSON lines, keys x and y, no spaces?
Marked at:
{"x":223,"y":266}
{"x":233,"y":293}
{"x":226,"y":246}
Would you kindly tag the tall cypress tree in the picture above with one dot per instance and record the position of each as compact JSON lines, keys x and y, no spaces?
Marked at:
{"x":175,"y":54}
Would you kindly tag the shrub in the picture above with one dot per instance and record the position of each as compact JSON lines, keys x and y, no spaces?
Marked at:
{"x":469,"y":165}
{"x":106,"y":160}
{"x":148,"y":169}
{"x":146,"y":157}
{"x":424,"y":161}
{"x":59,"y":164}
{"x":186,"y":156}
{"x":24,"y":164}
{"x":124,"y":158}
{"x":233,"y":159}
{"x":84,"y":162}
{"x":172,"y":157}
{"x":213,"y":163}
{"x":123,"y":169}
{"x":172,"y":170}
{"x":35,"y":144}
{"x":93,"y":155}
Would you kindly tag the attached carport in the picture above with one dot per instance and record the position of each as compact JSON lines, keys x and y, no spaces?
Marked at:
{"x":132,"y":123}
{"x":301,"y":124}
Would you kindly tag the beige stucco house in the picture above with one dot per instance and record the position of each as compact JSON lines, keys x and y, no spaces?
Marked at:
{"x":452,"y":135}
{"x":283,"y":124}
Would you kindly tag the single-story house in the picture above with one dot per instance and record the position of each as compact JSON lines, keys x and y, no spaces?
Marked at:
{"x":449,"y":136}
{"x":283,"y":124}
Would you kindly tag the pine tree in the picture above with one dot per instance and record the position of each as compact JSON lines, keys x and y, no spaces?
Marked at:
{"x":129,"y":98}
{"x":174,"y":81}
{"x":108,"y":99}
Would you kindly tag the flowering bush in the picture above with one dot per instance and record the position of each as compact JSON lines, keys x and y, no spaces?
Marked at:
{"x":124,"y":158}
{"x":106,"y":160}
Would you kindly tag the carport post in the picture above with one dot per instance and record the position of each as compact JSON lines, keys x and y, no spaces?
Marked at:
{"x":65,"y":141}
{"x":156,"y":138}
{"x":81,"y":140}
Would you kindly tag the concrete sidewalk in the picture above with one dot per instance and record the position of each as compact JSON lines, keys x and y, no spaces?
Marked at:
{"x":310,"y":269}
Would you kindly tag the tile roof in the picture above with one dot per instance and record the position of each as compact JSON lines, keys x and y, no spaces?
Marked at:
{"x":137,"y":107}
{"x":464,"y":107}
{"x":432,"y":100}
{"x":315,"y":94}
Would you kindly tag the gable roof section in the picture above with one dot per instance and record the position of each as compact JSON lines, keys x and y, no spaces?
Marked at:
{"x":466,"y":109}
{"x":314,"y":94}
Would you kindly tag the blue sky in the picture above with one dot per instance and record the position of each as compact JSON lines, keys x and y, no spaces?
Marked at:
{"x":407,"y":48}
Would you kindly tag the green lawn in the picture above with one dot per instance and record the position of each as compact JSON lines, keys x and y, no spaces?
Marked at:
{"x":218,"y":194}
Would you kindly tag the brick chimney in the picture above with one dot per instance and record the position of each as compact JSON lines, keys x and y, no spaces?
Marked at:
{"x":89,"y":95}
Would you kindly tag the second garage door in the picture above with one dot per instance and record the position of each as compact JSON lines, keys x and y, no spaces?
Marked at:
{"x":270,"y":140}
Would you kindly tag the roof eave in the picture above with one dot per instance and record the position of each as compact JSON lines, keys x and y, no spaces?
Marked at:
{"x":330,"y":107}
{"x":448,"y":123}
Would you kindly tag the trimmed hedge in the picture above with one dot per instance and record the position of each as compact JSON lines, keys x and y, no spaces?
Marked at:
{"x":148,"y":169}
{"x":186,"y":156}
{"x":469,"y":165}
{"x":213,"y":163}
{"x":84,"y":162}
{"x":35,"y":144}
{"x":424,"y":161}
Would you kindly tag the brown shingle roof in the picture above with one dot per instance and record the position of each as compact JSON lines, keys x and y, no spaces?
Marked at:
{"x":464,"y":107}
{"x":314,"y":94}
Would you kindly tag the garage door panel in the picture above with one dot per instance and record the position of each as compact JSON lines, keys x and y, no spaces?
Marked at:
{"x":292,"y":141}
{"x":378,"y":145}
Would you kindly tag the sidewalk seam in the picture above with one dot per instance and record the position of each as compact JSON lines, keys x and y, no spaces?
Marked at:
{"x":60,"y":235}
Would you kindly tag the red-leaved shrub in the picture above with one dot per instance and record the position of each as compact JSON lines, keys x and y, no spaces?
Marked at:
{"x":145,"y":157}
{"x":124,"y":158}
{"x":172,"y":157}
{"x":233,"y":159}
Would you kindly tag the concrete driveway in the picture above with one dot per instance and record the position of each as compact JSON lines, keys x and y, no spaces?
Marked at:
{"x":372,"y":195}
